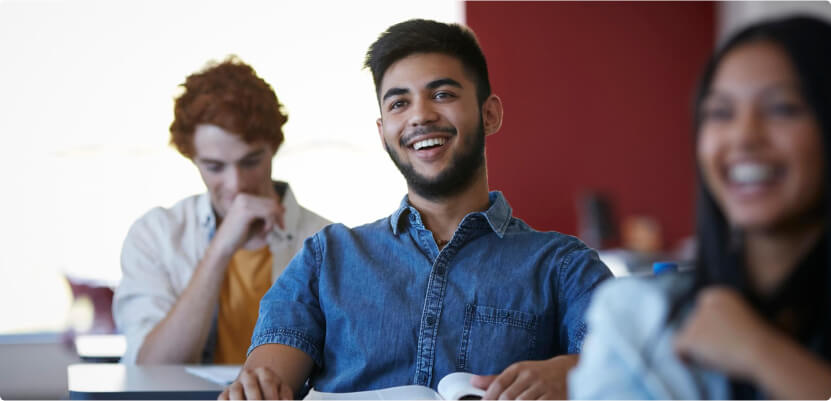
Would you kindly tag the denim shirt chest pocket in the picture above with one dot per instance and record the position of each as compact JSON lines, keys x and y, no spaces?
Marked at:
{"x":494,"y":337}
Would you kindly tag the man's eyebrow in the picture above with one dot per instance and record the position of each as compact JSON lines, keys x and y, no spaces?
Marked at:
{"x":430,"y":85}
{"x":394,"y":92}
{"x":442,"y":82}
{"x":253,"y":153}
{"x":209,"y":160}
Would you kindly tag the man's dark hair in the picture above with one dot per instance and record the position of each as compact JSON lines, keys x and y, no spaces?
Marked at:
{"x":424,"y":36}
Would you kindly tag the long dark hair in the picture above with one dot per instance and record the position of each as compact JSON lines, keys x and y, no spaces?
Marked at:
{"x":807,"y":43}
{"x":720,"y":256}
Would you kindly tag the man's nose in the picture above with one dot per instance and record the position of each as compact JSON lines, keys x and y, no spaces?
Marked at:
{"x":234,"y":180}
{"x":422,"y":113}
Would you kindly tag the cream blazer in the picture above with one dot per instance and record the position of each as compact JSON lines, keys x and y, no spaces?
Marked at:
{"x":163,"y":248}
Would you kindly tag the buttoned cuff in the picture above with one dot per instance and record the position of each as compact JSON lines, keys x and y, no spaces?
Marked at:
{"x":292,"y":338}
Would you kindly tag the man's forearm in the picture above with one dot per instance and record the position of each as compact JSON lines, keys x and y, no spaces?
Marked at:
{"x":291,"y":365}
{"x":272,"y":371}
{"x":182,"y":334}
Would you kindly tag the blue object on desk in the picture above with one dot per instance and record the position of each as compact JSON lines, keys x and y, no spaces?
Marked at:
{"x":664,"y":267}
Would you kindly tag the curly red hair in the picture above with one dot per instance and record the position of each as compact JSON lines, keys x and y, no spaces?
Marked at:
{"x":229,"y":95}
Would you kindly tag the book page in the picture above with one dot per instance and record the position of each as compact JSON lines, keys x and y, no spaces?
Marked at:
{"x":456,"y":386}
{"x":412,"y":392}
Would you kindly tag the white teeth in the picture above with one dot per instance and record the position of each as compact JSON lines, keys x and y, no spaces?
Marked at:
{"x":750,"y":173}
{"x":429,"y":142}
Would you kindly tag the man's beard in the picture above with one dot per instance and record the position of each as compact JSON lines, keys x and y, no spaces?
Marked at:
{"x":454,"y":179}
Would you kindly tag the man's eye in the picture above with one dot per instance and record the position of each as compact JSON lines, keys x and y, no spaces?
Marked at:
{"x":397,"y":104}
{"x":214,"y":168}
{"x":443,"y":95}
{"x":250,"y":163}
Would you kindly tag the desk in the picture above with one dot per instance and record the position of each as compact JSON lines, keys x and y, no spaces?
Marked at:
{"x":112,"y":381}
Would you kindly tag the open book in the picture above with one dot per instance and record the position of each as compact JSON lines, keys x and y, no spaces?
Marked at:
{"x":455,"y":386}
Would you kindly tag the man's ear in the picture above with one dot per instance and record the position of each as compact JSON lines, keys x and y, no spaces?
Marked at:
{"x":380,"y":124}
{"x":492,"y":114}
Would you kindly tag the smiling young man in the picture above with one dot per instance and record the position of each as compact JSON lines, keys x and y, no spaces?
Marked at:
{"x":193,"y":274}
{"x":450,"y":281}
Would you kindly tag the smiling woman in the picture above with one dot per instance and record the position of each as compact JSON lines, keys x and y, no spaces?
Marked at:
{"x":752,"y":321}
{"x":89,"y":98}
{"x":760,"y":144}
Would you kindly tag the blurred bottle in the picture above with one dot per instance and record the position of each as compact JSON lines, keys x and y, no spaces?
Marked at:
{"x":596,"y":223}
{"x":664,"y":267}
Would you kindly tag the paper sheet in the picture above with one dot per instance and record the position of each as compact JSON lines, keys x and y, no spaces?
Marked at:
{"x":221,"y":374}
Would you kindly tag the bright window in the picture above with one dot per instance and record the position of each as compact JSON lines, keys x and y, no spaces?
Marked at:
{"x":86,"y":95}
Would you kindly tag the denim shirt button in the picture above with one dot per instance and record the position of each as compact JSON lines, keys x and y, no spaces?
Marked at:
{"x":440,"y":270}
{"x":422,"y":378}
{"x":431,"y":320}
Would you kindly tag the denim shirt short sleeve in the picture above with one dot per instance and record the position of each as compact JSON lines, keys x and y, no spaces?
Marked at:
{"x":580,"y":273}
{"x":290,"y":312}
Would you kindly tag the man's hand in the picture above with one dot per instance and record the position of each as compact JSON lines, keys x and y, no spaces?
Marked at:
{"x":271,"y":372}
{"x":724,"y":333}
{"x":250,"y":217}
{"x":257,"y":384}
{"x":529,"y":380}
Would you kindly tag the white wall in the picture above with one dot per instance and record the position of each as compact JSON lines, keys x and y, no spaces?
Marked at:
{"x":734,"y":15}
{"x":86,"y":95}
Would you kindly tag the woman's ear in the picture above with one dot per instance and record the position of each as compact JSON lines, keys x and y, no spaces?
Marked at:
{"x":492,"y":114}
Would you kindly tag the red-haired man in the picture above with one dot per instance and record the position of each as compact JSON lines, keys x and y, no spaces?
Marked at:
{"x":193,"y":274}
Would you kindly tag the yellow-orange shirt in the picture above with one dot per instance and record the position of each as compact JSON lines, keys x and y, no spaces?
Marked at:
{"x":246,"y":281}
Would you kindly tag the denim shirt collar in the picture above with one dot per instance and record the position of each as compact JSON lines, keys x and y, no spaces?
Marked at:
{"x":498,"y":214}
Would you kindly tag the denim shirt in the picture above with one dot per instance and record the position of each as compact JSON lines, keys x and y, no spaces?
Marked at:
{"x":380,"y":305}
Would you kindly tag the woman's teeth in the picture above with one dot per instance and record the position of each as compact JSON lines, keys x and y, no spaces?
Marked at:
{"x":751,"y":173}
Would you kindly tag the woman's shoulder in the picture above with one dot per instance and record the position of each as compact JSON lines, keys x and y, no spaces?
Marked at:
{"x":630,"y":340}
{"x":637,"y":307}
{"x":661,"y":286}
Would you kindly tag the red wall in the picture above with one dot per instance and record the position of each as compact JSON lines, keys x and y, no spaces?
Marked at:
{"x":597,"y":96}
